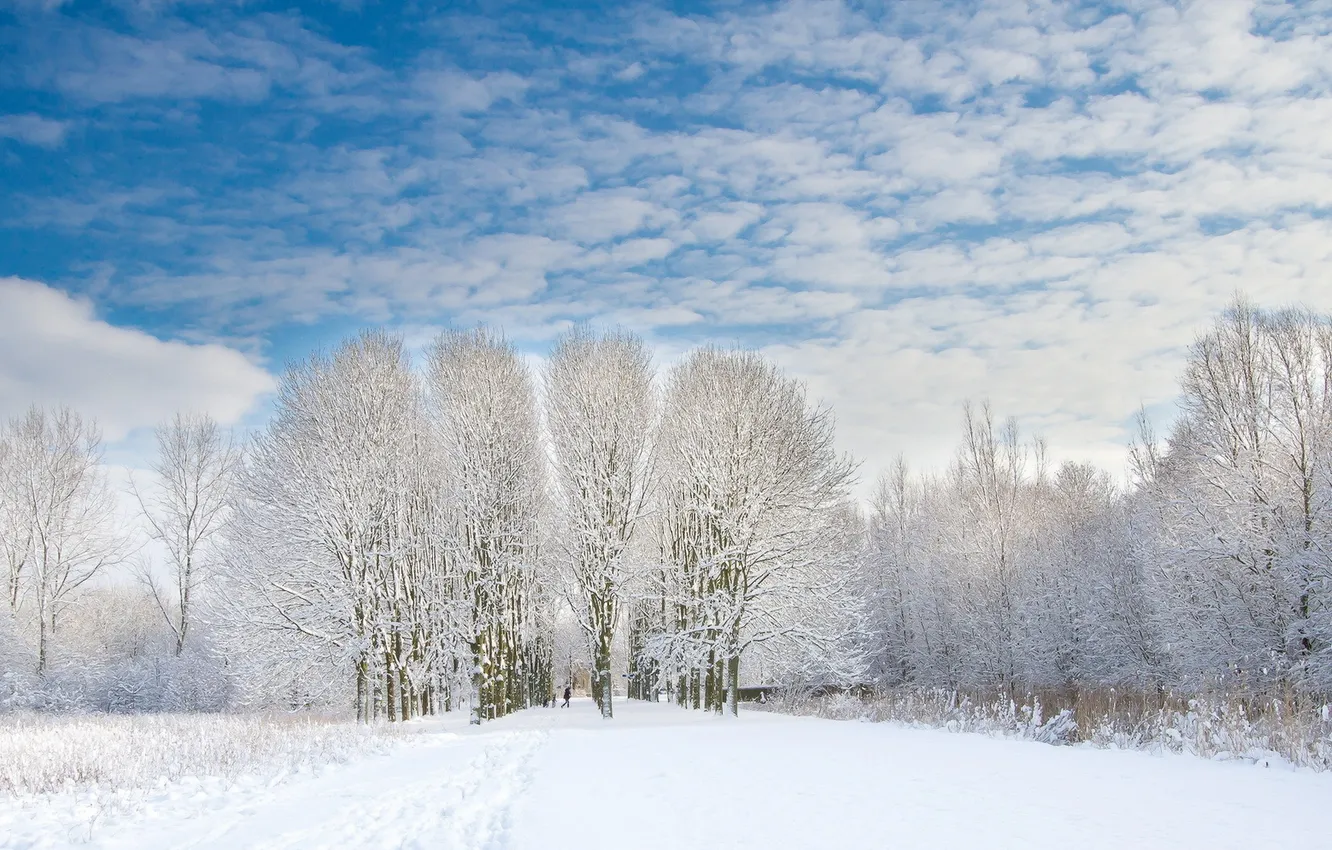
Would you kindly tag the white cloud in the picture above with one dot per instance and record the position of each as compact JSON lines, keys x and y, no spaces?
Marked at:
{"x":241,"y":61}
{"x":630,"y":72}
{"x":597,"y":217}
{"x":34,"y":130}
{"x":123,"y":67}
{"x":1073,"y":362}
{"x":54,"y":350}
{"x":719,"y":225}
{"x":455,"y":91}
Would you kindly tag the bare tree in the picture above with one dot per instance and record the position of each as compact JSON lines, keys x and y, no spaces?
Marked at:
{"x":991,"y":479}
{"x":1210,"y":571}
{"x":65,"y":510}
{"x":600,"y":411}
{"x":15,"y":529}
{"x":195,"y":465}
{"x":894,"y":513}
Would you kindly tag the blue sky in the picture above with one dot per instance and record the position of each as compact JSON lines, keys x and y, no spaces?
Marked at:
{"x":908,"y":204}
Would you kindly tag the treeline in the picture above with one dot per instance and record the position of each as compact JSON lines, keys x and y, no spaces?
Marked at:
{"x":410,"y":541}
{"x":429,"y":530}
{"x":1210,"y":571}
{"x":70,"y":643}
{"x":406,"y":540}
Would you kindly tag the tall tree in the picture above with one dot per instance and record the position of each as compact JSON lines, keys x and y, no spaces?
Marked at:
{"x":753,"y":496}
{"x":993,"y":493}
{"x":15,"y":529}
{"x":895,"y":509}
{"x":600,"y":411}
{"x":320,"y":536}
{"x":1243,"y":497}
{"x":485,"y":429}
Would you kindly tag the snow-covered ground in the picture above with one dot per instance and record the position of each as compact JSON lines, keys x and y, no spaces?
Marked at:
{"x":660,"y":777}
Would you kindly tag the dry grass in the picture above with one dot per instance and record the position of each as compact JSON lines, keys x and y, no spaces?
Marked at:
{"x":44,"y":754}
{"x":1279,"y":728}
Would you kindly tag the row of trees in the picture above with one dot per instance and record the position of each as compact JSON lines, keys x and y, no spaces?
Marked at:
{"x":1213,"y":569}
{"x":416,"y":539}
{"x":387,"y":524}
{"x":427,"y":531}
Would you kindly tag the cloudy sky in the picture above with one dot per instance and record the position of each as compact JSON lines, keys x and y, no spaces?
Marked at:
{"x":908,"y":204}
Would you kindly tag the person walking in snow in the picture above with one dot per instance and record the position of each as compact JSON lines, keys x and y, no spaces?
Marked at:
{"x":568,"y":692}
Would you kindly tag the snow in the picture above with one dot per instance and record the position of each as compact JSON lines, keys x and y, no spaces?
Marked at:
{"x":660,"y":777}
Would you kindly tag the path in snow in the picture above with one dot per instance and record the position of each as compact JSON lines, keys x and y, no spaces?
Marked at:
{"x":658,"y":777}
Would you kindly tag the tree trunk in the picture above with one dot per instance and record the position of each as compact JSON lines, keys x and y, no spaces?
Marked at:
{"x":43,"y":638}
{"x":390,"y":690}
{"x":602,"y":672}
{"x":362,"y":691}
{"x":406,"y":696}
{"x":710,"y":684}
{"x":475,"y":719}
{"x":733,"y":685}
{"x":184,"y":608}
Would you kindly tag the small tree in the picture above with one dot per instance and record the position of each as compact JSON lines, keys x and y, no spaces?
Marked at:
{"x":195,"y":465}
{"x":64,"y":509}
{"x":15,"y":529}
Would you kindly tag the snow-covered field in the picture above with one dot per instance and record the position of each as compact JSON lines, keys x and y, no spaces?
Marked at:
{"x":109,"y":756}
{"x":660,"y":777}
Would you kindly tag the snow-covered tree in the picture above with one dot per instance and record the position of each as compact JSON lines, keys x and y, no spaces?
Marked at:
{"x":996,"y":574}
{"x":194,"y":468}
{"x":600,"y":411}
{"x":319,"y":543}
{"x":893,"y":575}
{"x":1211,"y":570}
{"x":751,"y":522}
{"x":405,"y":542}
{"x":484,"y":427}
{"x":60,"y":515}
{"x":1243,"y":495}
{"x":15,"y":531}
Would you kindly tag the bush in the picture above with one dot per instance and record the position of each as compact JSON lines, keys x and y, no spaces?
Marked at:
{"x":146,"y":683}
{"x":1216,"y":727}
{"x":44,"y":754}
